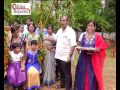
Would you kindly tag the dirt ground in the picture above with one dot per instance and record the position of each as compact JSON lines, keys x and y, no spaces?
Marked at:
{"x":109,"y":74}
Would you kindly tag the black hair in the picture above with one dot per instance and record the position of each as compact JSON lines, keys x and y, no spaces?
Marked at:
{"x":15,"y":45}
{"x":64,"y":16}
{"x":50,"y":26}
{"x":12,"y":30}
{"x":17,"y":26}
{"x":34,"y":42}
{"x":33,"y":25}
{"x":12,"y":22}
{"x":38,"y":21}
{"x":94,"y":23}
{"x":30,"y":19}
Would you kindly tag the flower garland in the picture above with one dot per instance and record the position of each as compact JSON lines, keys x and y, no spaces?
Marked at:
{"x":41,"y":46}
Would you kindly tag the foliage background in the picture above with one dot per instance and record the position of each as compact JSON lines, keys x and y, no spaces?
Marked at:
{"x":78,"y":11}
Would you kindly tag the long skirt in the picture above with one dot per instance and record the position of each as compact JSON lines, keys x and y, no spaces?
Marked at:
{"x":50,"y":67}
{"x":85,"y":78}
{"x":33,"y":78}
{"x":16,"y":77}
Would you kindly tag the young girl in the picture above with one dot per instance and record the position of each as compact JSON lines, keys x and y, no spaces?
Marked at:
{"x":32,"y":67}
{"x":16,"y":75}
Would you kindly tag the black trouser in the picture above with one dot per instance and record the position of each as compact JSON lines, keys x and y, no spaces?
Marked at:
{"x":65,"y":73}
{"x":57,"y":70}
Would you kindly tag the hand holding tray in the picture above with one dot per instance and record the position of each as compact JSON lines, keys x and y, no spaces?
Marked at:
{"x":86,"y":48}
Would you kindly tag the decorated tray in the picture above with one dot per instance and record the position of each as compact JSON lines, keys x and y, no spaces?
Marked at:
{"x":86,"y":48}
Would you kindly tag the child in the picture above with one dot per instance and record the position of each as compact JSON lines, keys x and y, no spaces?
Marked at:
{"x":16,"y":76}
{"x":32,"y":67}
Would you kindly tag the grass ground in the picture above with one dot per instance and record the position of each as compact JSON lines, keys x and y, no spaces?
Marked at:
{"x":109,"y":73}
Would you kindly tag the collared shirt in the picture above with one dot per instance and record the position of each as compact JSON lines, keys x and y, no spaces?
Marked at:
{"x":37,"y":31}
{"x":65,"y":40}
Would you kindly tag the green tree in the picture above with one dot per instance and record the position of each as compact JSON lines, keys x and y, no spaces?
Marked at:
{"x":78,"y":11}
{"x":110,"y":13}
{"x":85,"y":10}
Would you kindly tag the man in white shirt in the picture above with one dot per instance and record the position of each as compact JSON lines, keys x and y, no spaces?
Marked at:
{"x":65,"y":43}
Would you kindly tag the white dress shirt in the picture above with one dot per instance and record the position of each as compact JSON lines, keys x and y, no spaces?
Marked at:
{"x":65,"y":40}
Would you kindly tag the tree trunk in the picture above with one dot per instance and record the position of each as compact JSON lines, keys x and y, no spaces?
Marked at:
{"x":106,"y":5}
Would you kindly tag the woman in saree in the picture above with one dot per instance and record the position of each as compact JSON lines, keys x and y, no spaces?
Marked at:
{"x":49,"y":61}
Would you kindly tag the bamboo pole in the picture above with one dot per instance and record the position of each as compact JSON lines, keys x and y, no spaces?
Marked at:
{"x":49,"y":12}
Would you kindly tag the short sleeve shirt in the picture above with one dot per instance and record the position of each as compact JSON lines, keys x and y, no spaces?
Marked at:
{"x":65,"y":40}
{"x":16,"y":57}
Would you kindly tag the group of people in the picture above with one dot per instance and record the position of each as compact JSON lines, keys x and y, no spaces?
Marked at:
{"x":25,"y":70}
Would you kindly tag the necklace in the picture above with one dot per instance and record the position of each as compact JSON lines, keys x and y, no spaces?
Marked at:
{"x":89,"y":38}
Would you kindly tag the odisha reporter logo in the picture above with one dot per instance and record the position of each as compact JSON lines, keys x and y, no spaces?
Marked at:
{"x":20,"y":8}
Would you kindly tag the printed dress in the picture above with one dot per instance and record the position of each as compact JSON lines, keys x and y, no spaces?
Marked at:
{"x":33,"y":70}
{"x":89,"y":69}
{"x":85,"y":76}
